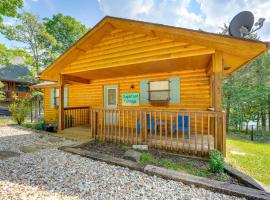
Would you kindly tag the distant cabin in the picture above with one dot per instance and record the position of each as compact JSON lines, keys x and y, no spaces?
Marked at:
{"x":16,"y":80}
{"x":136,"y":82}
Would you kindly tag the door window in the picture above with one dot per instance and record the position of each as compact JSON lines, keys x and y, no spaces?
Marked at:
{"x":111,"y":97}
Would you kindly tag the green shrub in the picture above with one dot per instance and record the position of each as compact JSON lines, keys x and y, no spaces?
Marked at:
{"x":216,"y":161}
{"x":169,"y":164}
{"x":19,"y":109}
{"x":147,"y":158}
{"x":38,"y":125}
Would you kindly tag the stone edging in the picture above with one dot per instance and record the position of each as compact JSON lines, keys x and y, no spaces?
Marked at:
{"x":243,"y":178}
{"x":216,"y":186}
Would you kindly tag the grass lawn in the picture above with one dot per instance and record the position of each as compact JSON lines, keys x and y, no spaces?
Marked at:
{"x":253,"y":158}
{"x":6,"y":121}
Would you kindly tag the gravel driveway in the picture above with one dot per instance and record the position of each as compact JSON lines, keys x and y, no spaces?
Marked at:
{"x":52,"y":174}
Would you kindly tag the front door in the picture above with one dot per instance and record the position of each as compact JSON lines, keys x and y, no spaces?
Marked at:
{"x":111,"y":103}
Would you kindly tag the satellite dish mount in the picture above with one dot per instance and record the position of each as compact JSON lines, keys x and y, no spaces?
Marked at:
{"x":241,"y":25}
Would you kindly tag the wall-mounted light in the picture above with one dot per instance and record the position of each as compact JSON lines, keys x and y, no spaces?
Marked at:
{"x":132,"y":87}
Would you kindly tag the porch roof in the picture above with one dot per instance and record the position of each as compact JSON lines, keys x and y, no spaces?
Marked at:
{"x":174,"y":49}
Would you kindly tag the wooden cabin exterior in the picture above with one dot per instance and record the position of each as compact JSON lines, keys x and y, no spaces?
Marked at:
{"x":142,"y":83}
{"x":15,"y":80}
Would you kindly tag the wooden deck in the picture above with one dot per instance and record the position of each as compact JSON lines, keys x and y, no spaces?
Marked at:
{"x":192,"y":132}
{"x":80,"y":133}
{"x":195,"y":144}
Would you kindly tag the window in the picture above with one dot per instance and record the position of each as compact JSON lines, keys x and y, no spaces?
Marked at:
{"x":56,"y":97}
{"x":21,"y":87}
{"x":111,"y":97}
{"x":159,"y":90}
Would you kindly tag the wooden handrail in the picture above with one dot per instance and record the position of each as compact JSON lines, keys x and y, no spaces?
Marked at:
{"x":160,"y":110}
{"x":78,"y":107}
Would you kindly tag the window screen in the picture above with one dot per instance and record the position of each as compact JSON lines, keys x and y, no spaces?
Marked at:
{"x":159,"y":90}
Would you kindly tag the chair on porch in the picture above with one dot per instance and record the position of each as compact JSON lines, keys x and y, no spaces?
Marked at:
{"x":149,"y":124}
{"x":181,"y":127}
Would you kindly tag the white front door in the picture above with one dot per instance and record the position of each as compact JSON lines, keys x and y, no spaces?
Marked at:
{"x":111,"y":103}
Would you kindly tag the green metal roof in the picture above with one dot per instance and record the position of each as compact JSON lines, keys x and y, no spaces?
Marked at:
{"x":16,"y":73}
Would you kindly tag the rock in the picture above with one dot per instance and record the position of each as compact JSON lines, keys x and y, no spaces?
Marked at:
{"x":132,"y":155}
{"x":55,"y":139}
{"x":8,"y":154}
{"x":140,"y":147}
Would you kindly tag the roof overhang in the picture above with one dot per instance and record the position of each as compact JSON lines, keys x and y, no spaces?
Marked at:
{"x":236,"y":52}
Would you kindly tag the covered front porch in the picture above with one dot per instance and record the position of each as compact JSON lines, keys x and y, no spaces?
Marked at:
{"x":123,"y":57}
{"x":189,"y":132}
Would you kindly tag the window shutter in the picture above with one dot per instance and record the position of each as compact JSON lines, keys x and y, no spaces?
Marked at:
{"x":65,"y":97}
{"x":144,"y":95}
{"x":174,"y":90}
{"x":52,"y":99}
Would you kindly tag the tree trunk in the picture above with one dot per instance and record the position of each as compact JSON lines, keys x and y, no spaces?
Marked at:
{"x":263,"y":121}
{"x":246,"y":128}
{"x":269,"y":112}
{"x":258,"y":123}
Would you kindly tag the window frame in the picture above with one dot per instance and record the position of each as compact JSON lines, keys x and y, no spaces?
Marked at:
{"x":56,"y":98}
{"x":150,"y":91}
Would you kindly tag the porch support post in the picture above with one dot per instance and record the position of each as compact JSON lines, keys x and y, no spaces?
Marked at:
{"x":217,"y":62}
{"x":61,"y":104}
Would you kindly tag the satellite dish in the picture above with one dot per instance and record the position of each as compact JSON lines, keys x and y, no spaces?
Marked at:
{"x":241,"y":24}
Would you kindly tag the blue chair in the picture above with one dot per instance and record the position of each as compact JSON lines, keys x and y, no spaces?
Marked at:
{"x":181,"y":127}
{"x":148,"y":124}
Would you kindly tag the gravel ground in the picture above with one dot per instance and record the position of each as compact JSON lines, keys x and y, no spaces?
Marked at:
{"x":53,"y":174}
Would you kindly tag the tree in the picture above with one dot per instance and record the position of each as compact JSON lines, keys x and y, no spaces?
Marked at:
{"x":31,"y":32}
{"x":7,"y":56}
{"x":9,"y":8}
{"x":246,"y":93}
{"x":2,"y":93}
{"x":20,"y":108}
{"x":65,"y":29}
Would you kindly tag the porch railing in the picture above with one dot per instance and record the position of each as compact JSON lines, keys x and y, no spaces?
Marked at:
{"x":181,"y":131}
{"x":76,"y":116}
{"x":189,"y":132}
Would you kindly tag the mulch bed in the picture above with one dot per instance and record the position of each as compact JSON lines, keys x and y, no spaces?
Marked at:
{"x":118,"y":150}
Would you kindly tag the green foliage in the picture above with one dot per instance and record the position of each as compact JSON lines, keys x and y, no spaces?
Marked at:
{"x":147,"y":158}
{"x":246,"y":92}
{"x":2,"y":94}
{"x":31,"y":32}
{"x":188,"y":167}
{"x":37,"y":125}
{"x":9,"y":8}
{"x":20,"y":108}
{"x":7,"y":55}
{"x":216,"y":161}
{"x":169,"y":164}
{"x":65,"y":29}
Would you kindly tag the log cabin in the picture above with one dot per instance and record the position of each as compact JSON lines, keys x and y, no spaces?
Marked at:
{"x":136,"y":82}
{"x":16,"y":80}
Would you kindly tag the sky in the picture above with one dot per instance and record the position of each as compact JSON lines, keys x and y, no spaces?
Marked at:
{"x":208,"y":15}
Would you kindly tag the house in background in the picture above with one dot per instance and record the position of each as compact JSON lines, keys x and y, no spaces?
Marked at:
{"x":135,"y":82}
{"x":16,"y":80}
